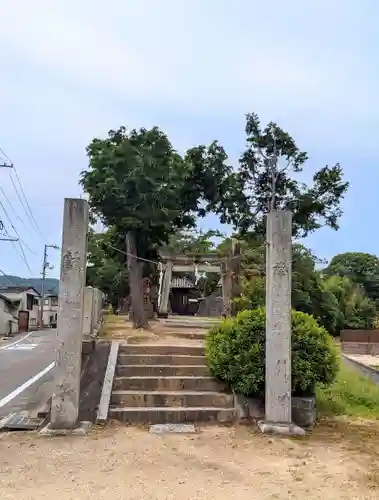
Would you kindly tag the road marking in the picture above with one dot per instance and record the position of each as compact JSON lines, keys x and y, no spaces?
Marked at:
{"x":25,"y":385}
{"x":21,"y":347}
{"x":17,"y":341}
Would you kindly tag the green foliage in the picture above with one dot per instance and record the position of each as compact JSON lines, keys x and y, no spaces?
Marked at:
{"x":197,"y":242}
{"x":355,"y":309}
{"x":138,"y":182}
{"x":106,"y":266}
{"x":361,"y":268}
{"x":193,"y":241}
{"x":350,"y":394}
{"x":263,"y":182}
{"x":134,"y":183}
{"x":235,"y":352}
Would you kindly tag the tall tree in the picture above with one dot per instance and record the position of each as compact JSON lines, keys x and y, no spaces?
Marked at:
{"x":107,"y":265}
{"x":356,"y":310}
{"x":141,"y":186}
{"x":266,"y":180}
{"x":361,"y":268}
{"x":193,"y":241}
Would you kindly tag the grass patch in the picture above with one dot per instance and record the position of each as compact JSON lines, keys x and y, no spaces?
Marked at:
{"x":351,"y":394}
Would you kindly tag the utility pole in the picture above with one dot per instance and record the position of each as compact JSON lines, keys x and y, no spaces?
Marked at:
{"x":45,"y":265}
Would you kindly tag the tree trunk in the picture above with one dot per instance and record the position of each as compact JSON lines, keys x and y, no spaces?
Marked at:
{"x":138,"y":315}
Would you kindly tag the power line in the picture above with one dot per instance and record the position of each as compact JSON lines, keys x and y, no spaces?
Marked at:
{"x":27,"y":209}
{"x":6,"y":156}
{"x":22,"y":254}
{"x":26,"y":201}
{"x":126,"y":253}
{"x":15,"y":230}
{"x":14,"y":210}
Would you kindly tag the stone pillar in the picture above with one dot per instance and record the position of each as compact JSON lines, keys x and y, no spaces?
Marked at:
{"x":227,"y":285}
{"x":167,"y":277}
{"x":88,"y":307}
{"x":278,"y":417}
{"x":65,"y":401}
{"x":97,"y":308}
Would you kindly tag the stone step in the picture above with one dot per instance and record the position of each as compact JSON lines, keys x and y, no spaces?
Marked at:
{"x":172,"y":399}
{"x":191,"y":335}
{"x":162,"y":370}
{"x":160,"y":359}
{"x":167,"y":415}
{"x":189,"y":350}
{"x":167,"y":383}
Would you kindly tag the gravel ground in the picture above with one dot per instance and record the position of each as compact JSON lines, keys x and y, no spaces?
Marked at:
{"x":217,"y":463}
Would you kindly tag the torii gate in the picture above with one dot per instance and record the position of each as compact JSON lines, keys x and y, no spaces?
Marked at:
{"x":192,"y":262}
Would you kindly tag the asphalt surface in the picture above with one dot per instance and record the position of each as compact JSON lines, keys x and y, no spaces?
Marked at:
{"x":22,"y":359}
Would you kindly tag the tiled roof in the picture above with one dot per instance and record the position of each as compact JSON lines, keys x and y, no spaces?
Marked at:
{"x":16,"y":289}
{"x":179,"y":282}
{"x":5,"y":299}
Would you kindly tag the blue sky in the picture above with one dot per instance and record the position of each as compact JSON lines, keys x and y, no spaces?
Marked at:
{"x":74,"y":70}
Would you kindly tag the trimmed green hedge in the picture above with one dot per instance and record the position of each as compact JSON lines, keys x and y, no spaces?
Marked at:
{"x":235,"y":353}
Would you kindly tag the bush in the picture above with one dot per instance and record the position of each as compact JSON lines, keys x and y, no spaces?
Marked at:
{"x":235,"y":353}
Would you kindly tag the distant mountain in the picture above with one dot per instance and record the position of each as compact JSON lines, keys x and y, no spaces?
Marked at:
{"x":51,"y":284}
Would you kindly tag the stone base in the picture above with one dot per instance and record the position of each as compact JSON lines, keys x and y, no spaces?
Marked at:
{"x":281,"y":429}
{"x":81,"y":430}
{"x":162,"y":315}
{"x":304,"y":410}
{"x":172,"y":429}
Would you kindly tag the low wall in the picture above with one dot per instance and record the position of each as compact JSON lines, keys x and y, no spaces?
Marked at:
{"x":360,"y":342}
{"x":365,"y":370}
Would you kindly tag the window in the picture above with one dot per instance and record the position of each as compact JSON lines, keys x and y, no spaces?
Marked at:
{"x":29,"y":301}
{"x":54,"y":301}
{"x":46,"y":302}
{"x":32,"y":322}
{"x":35,"y":301}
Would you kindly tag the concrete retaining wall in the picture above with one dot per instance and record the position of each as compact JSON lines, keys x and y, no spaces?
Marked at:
{"x":362,"y":369}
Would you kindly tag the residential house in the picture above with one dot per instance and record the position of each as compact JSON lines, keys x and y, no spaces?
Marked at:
{"x":50,"y":310}
{"x":25,"y":301}
{"x":8,"y":316}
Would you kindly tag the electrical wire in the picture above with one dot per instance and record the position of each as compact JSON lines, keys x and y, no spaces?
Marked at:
{"x":14,"y":210}
{"x":131,"y":255}
{"x":27,"y":203}
{"x":27,"y":208}
{"x":6,"y":156}
{"x":15,"y":230}
{"x":22,"y":254}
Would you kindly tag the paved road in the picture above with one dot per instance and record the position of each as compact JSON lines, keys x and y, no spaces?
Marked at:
{"x":26,"y":371}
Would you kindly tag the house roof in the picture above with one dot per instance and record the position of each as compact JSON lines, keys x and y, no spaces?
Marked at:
{"x":17,"y":289}
{"x":5,"y":299}
{"x":179,"y":282}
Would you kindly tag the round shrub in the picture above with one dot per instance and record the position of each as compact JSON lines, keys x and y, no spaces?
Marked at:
{"x":235,"y":353}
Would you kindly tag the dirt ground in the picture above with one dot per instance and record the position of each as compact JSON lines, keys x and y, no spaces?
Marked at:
{"x":120,"y":329}
{"x":338,"y":461}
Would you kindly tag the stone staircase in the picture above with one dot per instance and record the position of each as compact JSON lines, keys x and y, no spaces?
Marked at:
{"x":160,"y":384}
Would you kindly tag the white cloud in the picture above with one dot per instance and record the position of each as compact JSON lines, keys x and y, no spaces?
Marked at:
{"x":72,"y":70}
{"x":206,"y":57}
